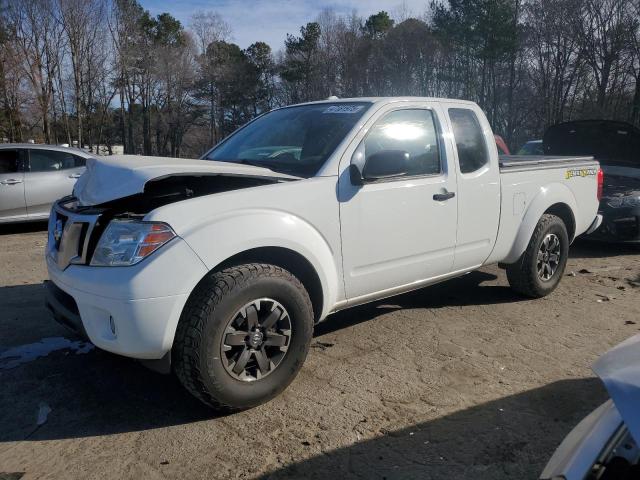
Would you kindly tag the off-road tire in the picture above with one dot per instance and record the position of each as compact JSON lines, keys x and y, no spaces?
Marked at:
{"x":523,"y":275}
{"x":196,"y":351}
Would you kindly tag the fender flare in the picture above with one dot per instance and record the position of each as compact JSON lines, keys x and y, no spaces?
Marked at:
{"x":547,"y":196}
{"x":218,"y":240}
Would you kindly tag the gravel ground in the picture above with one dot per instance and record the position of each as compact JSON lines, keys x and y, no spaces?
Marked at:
{"x":461,"y":380}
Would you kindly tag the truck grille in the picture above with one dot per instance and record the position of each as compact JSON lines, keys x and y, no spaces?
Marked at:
{"x":69,"y":234}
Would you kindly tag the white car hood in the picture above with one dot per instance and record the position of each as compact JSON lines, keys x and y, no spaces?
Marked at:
{"x":119,"y":176}
{"x":619,"y":370}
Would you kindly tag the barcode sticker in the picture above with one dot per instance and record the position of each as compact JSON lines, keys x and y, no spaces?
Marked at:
{"x":344,"y":109}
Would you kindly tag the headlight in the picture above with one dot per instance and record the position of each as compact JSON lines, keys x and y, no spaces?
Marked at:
{"x":617,"y":202}
{"x":126,"y":242}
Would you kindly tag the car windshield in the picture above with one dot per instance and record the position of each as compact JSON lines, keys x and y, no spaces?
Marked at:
{"x":531,"y":148}
{"x":294,"y":140}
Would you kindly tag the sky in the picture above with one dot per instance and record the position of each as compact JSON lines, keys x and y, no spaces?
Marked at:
{"x":270,"y":20}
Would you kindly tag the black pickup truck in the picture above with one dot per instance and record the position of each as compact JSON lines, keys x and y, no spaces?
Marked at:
{"x":617,"y":146}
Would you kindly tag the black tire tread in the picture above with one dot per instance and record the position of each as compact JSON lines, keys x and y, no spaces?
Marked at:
{"x":209,"y":293}
{"x":520,"y":275}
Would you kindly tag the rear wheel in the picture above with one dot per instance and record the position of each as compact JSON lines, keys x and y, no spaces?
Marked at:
{"x":243,"y":336}
{"x":540,"y":268}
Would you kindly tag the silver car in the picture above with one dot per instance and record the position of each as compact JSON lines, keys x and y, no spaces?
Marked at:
{"x":606,"y":444}
{"x":32,"y":177}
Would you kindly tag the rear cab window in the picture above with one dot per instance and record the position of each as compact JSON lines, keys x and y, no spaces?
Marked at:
{"x":470,"y":142}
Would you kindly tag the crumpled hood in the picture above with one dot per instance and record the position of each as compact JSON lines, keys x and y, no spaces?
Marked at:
{"x":119,"y":176}
{"x":619,"y":370}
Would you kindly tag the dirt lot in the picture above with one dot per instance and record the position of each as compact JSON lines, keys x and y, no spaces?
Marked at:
{"x":461,"y":380}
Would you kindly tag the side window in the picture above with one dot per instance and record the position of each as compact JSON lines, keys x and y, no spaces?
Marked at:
{"x":9,"y":161}
{"x":50,"y":160}
{"x":413,"y":131}
{"x":79,"y":161}
{"x":472,"y":149}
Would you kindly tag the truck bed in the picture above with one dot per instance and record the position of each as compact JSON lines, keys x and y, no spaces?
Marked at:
{"x":537,"y":162}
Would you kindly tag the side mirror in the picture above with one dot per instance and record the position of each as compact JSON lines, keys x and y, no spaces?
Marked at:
{"x":386,"y":164}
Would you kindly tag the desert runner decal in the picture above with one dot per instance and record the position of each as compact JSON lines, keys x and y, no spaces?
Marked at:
{"x":581,"y":172}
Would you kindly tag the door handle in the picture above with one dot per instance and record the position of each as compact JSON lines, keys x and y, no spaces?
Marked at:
{"x":441,"y":197}
{"x":75,"y":175}
{"x":10,"y":181}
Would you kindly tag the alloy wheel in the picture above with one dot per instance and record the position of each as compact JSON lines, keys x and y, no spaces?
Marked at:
{"x":256,"y":340}
{"x":548,"y":257}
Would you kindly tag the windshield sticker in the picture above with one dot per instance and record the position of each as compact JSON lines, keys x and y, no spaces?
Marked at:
{"x":344,"y":109}
{"x":581,"y":172}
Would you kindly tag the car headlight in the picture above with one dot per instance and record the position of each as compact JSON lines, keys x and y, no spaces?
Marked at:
{"x":127,"y":242}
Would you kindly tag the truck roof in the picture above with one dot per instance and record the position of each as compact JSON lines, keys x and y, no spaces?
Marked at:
{"x":385,"y":100}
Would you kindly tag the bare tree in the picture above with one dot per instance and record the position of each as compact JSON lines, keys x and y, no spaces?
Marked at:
{"x":38,"y":40}
{"x":209,"y":27}
{"x":605,"y":29}
{"x":83,"y":24}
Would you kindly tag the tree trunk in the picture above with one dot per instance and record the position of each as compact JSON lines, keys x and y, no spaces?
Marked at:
{"x":635,"y":111}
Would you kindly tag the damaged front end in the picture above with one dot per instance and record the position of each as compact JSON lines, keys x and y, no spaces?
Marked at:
{"x":76,"y":231}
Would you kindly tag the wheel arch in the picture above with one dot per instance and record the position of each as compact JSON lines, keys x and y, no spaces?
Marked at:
{"x":288,"y":259}
{"x":556,"y":199}
{"x":564,"y":212}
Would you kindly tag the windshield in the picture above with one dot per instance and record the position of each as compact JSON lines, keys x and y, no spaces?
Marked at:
{"x":531,"y":148}
{"x":293,"y":140}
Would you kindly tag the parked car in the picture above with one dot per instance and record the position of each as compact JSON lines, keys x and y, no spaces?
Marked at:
{"x":219,"y":268}
{"x":617,"y":146}
{"x":32,"y":177}
{"x":532,"y":147}
{"x":606,"y":444}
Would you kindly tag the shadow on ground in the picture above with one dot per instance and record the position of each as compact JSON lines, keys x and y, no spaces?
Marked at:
{"x":592,"y":249}
{"x":89,"y":394}
{"x":25,"y":227}
{"x":101,"y":394}
{"x":461,"y":291}
{"x":512,"y":437}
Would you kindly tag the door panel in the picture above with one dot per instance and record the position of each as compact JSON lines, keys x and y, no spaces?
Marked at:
{"x":478,"y":186}
{"x":12,"y":201}
{"x":394,"y":232}
{"x":51,"y":175}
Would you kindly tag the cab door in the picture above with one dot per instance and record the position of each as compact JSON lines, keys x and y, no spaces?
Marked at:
{"x":51,"y":175}
{"x":12,"y":201}
{"x":478,"y":184}
{"x":400,"y":230}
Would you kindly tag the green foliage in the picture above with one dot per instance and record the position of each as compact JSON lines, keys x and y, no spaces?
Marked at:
{"x":528,"y":63}
{"x":301,"y":63}
{"x":377,"y":25}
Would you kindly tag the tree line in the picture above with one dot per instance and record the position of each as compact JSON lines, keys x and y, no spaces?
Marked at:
{"x":107,"y":72}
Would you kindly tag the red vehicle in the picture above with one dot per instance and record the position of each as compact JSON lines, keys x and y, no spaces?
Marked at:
{"x":502,"y":145}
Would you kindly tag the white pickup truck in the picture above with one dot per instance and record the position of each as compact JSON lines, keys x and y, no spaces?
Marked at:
{"x":218,"y":268}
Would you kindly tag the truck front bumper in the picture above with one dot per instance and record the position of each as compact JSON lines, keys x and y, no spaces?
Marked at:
{"x":132,"y":311}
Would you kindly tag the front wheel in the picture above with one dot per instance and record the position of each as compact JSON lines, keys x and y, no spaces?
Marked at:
{"x":540,"y":268}
{"x":243,"y":336}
